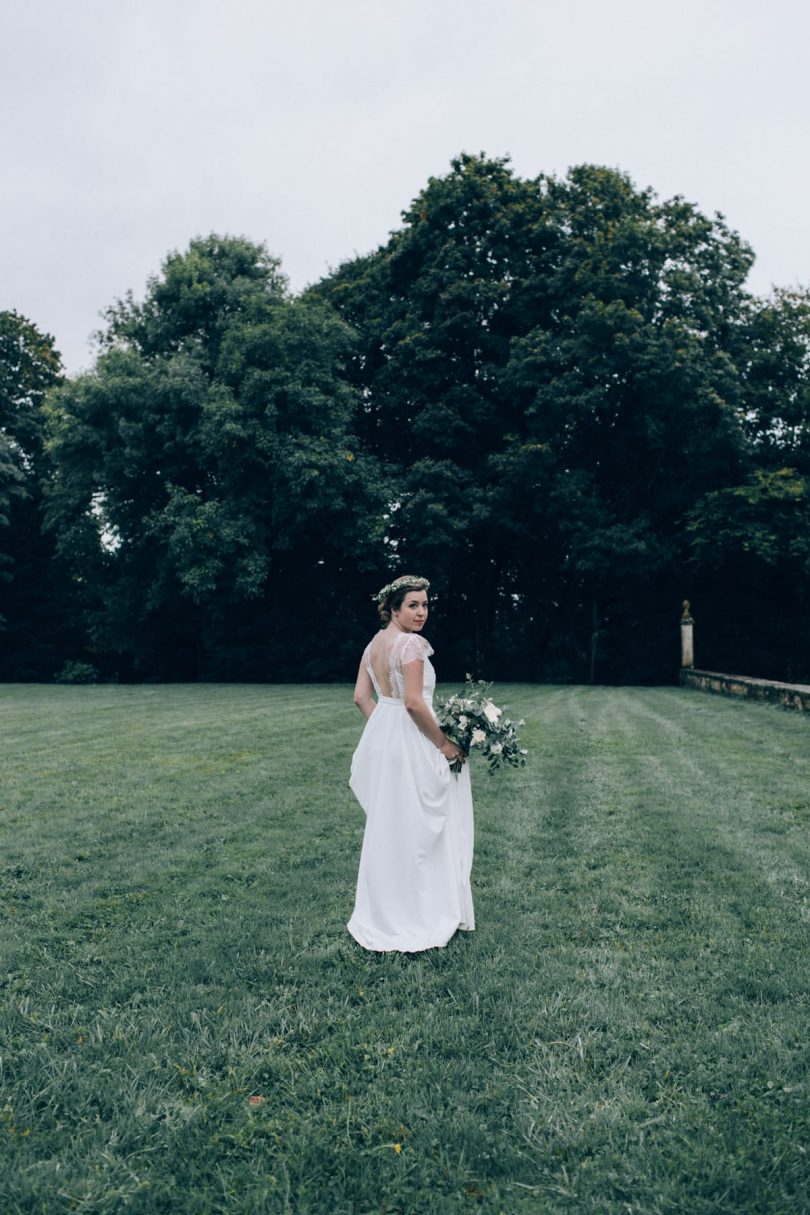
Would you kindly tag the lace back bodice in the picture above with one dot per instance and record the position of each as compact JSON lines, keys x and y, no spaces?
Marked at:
{"x":388,"y":653}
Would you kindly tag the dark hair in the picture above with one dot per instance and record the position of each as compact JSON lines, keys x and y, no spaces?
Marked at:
{"x":393,"y":602}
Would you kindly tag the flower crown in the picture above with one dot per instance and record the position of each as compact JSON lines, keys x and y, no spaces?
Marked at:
{"x":413,"y":584}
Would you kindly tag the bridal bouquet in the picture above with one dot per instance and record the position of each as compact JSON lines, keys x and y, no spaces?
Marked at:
{"x":472,"y":721}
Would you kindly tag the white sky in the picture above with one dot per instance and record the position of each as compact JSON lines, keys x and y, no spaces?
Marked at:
{"x":130,"y":126}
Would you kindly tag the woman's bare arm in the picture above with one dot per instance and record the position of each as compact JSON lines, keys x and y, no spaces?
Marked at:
{"x":419,"y":710}
{"x":364,"y":692}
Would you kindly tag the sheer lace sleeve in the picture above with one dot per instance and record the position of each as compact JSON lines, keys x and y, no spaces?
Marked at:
{"x":414,"y":649}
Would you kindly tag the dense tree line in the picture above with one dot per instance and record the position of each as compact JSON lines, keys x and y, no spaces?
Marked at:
{"x":554,"y":397}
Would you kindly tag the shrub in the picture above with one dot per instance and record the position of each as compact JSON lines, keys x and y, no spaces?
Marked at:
{"x":78,"y":672}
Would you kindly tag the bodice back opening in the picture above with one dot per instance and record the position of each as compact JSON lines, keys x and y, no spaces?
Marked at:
{"x":386,"y":656}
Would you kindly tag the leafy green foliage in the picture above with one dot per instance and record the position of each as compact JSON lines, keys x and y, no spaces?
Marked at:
{"x":77,"y":672}
{"x":775,"y":356}
{"x":767,"y":520}
{"x":548,"y":368}
{"x":38,"y":613}
{"x":755,"y":538}
{"x":208,"y":463}
{"x":552,"y":395}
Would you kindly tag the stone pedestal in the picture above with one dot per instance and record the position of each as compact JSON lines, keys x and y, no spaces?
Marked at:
{"x":687,"y":637}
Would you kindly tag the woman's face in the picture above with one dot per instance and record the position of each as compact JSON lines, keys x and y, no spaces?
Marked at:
{"x":413,"y":613}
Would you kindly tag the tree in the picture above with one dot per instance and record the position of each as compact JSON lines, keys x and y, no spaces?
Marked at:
{"x":775,"y":358}
{"x":436,"y":310}
{"x":751,"y":546}
{"x":749,"y":538}
{"x":38,"y":623}
{"x":207,"y":477}
{"x":10,"y":487}
{"x":547,"y":368}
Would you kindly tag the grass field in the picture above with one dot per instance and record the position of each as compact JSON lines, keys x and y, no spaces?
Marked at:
{"x":186,"y":1026}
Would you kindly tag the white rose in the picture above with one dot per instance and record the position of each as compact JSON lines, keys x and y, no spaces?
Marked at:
{"x":478,"y":737}
{"x":496,"y":748}
{"x":491,"y":712}
{"x":463,"y":722}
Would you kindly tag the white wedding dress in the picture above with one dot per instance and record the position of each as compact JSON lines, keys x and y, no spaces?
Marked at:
{"x":413,"y":886}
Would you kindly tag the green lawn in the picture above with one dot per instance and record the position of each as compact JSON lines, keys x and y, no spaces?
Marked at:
{"x":626,"y":1032}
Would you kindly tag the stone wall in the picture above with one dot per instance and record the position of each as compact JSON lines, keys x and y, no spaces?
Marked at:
{"x":788,"y":695}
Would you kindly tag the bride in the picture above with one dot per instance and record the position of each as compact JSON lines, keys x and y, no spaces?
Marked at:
{"x":413,"y":886}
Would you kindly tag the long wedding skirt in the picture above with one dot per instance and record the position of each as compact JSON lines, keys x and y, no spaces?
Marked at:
{"x":413,"y":886}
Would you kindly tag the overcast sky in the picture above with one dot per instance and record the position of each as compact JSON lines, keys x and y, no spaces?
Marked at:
{"x":131,"y":126}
